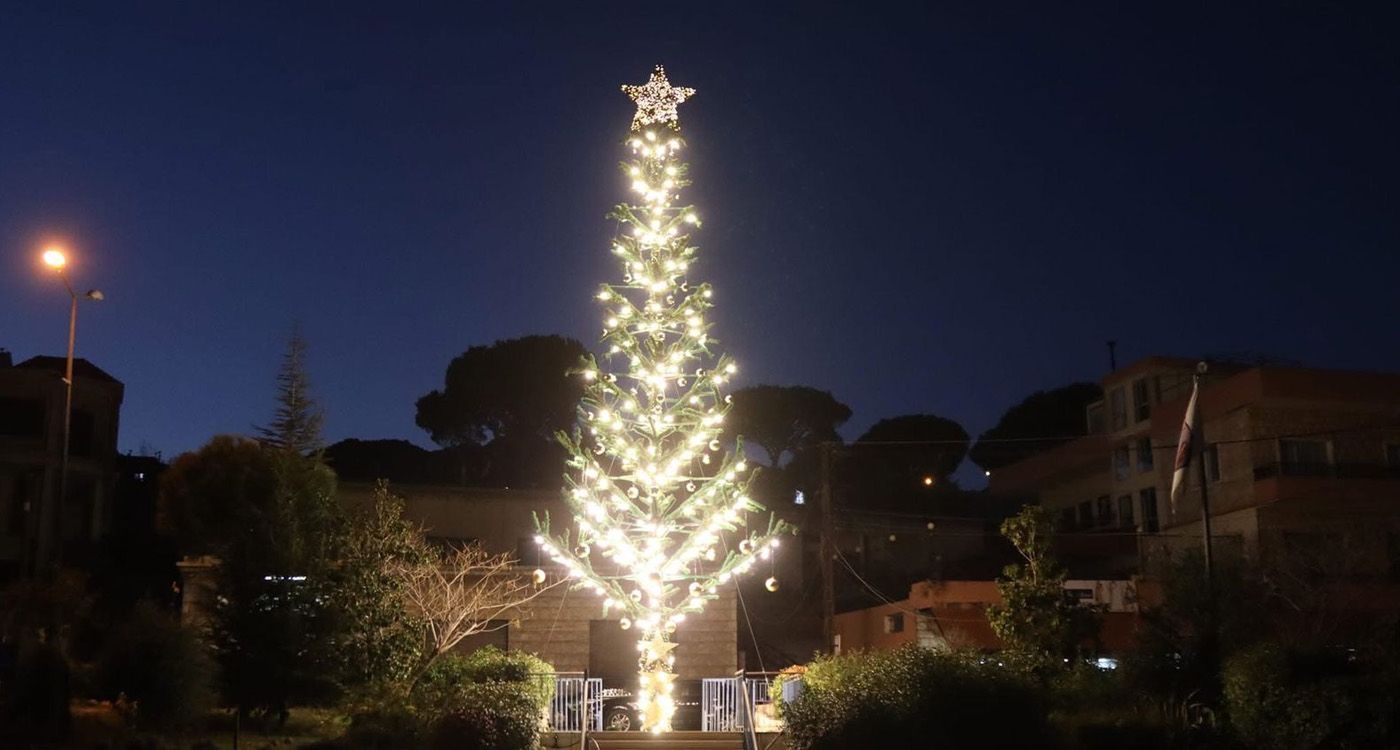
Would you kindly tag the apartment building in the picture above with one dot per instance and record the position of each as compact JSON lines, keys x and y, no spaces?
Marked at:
{"x":32,"y":396}
{"x":1295,"y":459}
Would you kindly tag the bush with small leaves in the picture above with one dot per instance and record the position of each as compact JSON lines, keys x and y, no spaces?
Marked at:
{"x":913,"y":697}
{"x":161,"y":667}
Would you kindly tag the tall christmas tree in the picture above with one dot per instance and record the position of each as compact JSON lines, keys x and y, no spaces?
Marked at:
{"x":653,"y":492}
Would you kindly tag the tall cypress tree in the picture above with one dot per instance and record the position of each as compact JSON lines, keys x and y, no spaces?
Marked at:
{"x":296,"y":423}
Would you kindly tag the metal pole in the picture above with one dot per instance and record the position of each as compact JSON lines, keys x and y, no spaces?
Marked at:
{"x":828,"y":553}
{"x":1200,"y":429}
{"x":48,"y":543}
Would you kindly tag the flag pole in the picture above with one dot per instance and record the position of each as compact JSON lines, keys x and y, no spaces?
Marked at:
{"x":1200,"y":437}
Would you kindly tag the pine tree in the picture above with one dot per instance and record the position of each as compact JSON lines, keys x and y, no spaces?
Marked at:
{"x":650,"y":486}
{"x":296,"y":424}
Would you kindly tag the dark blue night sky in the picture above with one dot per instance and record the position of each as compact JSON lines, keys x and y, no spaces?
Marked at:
{"x":937,"y":209}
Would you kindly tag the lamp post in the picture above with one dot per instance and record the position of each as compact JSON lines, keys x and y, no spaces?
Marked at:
{"x":57,"y":259}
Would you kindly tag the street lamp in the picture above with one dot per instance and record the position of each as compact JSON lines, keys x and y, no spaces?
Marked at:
{"x":57,"y":259}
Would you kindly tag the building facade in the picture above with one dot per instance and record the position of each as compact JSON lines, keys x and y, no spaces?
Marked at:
{"x":37,"y":528}
{"x":1296,"y":460}
{"x":564,"y":627}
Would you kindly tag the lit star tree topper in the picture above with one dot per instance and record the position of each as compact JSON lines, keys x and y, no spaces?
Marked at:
{"x":660,"y":507}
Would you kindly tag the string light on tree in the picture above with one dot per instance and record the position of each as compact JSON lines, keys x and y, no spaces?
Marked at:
{"x":660,"y":507}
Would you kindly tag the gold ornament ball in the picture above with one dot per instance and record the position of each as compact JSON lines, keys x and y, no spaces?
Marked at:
{"x":625,"y":623}
{"x":771,"y":584}
{"x":538,"y":575}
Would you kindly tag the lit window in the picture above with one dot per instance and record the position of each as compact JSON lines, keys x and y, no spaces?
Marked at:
{"x":798,"y":498}
{"x":894,"y":623}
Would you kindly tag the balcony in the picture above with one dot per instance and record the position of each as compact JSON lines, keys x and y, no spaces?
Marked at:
{"x":1327,"y":470}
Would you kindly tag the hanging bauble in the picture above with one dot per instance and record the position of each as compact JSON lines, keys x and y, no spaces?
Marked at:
{"x":689,"y":486}
{"x":625,"y":623}
{"x":582,"y":550}
{"x":746,"y":546}
{"x":771,"y":584}
{"x":539,"y":576}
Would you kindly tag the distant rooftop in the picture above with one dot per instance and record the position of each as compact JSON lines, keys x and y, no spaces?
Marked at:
{"x":81,"y":367}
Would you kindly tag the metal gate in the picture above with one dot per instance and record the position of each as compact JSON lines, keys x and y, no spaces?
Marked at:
{"x":576,"y":700}
{"x":722,"y":701}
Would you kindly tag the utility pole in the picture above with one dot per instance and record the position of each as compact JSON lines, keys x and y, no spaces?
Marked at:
{"x":827,"y":554}
{"x":1200,"y":436}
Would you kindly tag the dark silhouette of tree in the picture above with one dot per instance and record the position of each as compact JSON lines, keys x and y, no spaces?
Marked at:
{"x":296,"y":423}
{"x":902,"y":461}
{"x":513,"y":387}
{"x":783,"y":420}
{"x":1042,"y":421}
{"x":915,"y":446}
{"x":369,"y":460}
{"x":499,"y":411}
{"x":268,"y":515}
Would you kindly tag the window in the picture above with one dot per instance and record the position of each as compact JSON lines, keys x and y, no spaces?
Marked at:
{"x":1306,"y":457}
{"x":1067,"y":519}
{"x":21,"y":417}
{"x":1105,"y":513}
{"x":894,"y":623}
{"x":1080,"y":596}
{"x":1144,"y":454}
{"x":1093,"y":417}
{"x":1120,"y":463}
{"x":1148,"y":498}
{"x":1118,"y":409}
{"x":1125,"y":511}
{"x":81,"y":434}
{"x":1086,"y":515}
{"x":1142,"y":406}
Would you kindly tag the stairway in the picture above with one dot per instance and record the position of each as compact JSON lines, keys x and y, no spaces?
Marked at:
{"x":666,"y":741}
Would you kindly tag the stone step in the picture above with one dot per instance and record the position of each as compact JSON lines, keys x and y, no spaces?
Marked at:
{"x":666,"y":741}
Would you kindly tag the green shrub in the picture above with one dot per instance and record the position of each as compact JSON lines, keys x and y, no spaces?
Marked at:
{"x":161,"y":667}
{"x":492,"y":716}
{"x":37,"y":701}
{"x":490,"y":699}
{"x":913,"y":697}
{"x":1281,"y":697}
{"x":442,"y":685}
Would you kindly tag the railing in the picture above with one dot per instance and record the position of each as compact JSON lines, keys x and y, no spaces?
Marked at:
{"x":576,"y":700}
{"x":1335,"y":471}
{"x":728,"y":704}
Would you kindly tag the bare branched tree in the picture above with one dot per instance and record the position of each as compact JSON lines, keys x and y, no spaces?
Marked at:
{"x":464,"y":592}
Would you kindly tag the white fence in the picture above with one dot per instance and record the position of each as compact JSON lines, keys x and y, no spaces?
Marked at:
{"x":722,"y":704}
{"x":576,"y":699}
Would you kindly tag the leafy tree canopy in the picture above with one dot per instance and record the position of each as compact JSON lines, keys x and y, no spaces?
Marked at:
{"x":914,"y":446}
{"x":1042,"y":420}
{"x":514,"y":387}
{"x":783,"y":420}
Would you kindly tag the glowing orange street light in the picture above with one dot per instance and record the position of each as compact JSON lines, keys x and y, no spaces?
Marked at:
{"x":55,"y":258}
{"x":46,"y":547}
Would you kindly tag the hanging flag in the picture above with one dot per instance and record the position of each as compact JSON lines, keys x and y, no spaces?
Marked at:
{"x":1184,"y":447}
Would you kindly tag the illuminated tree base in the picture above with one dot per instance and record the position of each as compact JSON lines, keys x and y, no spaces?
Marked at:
{"x":656,"y":702}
